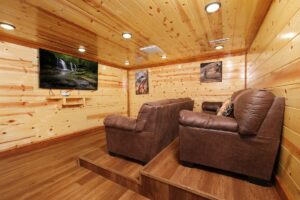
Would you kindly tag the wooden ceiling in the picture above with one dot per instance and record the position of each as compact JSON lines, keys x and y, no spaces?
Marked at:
{"x":181,"y":28}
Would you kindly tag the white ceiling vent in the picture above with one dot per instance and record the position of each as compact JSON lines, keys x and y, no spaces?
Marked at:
{"x":151,"y":49}
{"x":217,"y":41}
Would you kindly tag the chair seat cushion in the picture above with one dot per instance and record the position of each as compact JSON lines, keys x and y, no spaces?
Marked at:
{"x":207,"y":121}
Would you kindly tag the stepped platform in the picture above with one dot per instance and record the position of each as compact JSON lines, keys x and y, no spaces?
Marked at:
{"x":165,"y":178}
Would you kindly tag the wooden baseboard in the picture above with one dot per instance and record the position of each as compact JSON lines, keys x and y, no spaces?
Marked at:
{"x":282,"y":193}
{"x":48,"y":142}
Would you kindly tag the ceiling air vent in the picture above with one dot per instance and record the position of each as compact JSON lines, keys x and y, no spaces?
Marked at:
{"x":217,"y":41}
{"x":151,"y":49}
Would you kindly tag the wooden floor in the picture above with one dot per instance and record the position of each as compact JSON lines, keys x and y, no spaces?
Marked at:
{"x":53,"y":173}
{"x":166,"y":169}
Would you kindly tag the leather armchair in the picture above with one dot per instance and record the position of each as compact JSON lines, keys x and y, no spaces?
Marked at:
{"x":246,"y":143}
{"x":155,"y":127}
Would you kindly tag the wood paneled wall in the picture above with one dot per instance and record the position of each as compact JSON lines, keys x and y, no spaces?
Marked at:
{"x":274,"y":63}
{"x":26,"y":116}
{"x":183,"y":80}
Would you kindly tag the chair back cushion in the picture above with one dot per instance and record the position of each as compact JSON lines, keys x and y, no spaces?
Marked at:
{"x":236,"y":94}
{"x":162,"y":119}
{"x":151,"y":111}
{"x":250,"y":109}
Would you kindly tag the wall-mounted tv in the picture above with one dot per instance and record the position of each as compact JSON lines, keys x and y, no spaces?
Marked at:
{"x":61,"y":71}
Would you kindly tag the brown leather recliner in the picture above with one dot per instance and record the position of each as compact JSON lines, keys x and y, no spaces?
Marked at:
{"x":246,"y":143}
{"x":155,"y":127}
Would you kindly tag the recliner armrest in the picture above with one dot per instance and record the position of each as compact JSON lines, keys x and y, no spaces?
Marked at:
{"x":207,"y":121}
{"x":122,"y":122}
{"x":211,"y":106}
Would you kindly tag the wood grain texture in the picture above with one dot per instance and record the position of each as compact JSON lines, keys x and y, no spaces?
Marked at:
{"x":163,"y":178}
{"x":28,"y":116}
{"x":157,"y":190}
{"x":274,"y":64}
{"x":166,"y":170}
{"x":182,"y":29}
{"x":117,"y":169}
{"x":53,"y":173}
{"x":45,"y":143}
{"x":183,"y":80}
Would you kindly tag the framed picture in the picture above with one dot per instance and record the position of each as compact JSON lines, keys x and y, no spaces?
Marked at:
{"x":211,"y":72}
{"x":141,"y":82}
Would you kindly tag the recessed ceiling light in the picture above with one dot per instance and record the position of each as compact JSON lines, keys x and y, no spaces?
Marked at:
{"x":212,"y":7}
{"x":219,"y":47}
{"x":164,"y":56}
{"x":81,"y":49}
{"x":126,"y":62}
{"x":7,"y":26}
{"x":126,"y":35}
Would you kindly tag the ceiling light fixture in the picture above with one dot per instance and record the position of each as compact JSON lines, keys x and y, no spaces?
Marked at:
{"x":219,"y":47}
{"x":126,"y":35}
{"x":81,"y":49}
{"x":164,"y":56}
{"x":126,"y":62}
{"x":288,"y":35}
{"x":7,"y":26}
{"x":213,"y":7}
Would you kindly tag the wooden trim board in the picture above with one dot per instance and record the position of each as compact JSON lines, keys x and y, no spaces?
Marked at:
{"x":48,"y":142}
{"x":128,"y":95}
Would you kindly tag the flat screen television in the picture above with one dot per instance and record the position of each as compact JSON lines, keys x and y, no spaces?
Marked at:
{"x":61,"y":71}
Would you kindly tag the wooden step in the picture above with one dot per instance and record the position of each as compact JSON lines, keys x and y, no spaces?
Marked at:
{"x":164,"y":178}
{"x":117,"y":169}
{"x":164,"y":175}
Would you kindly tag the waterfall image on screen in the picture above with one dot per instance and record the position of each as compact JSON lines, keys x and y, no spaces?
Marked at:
{"x":61,"y":71}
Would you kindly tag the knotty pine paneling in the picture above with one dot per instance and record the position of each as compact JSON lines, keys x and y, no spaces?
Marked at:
{"x":183,"y":80}
{"x":26,"y":116}
{"x":181,"y":28}
{"x":274,"y":63}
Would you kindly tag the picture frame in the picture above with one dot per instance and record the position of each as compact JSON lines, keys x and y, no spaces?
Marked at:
{"x":211,"y":72}
{"x":141,"y":82}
